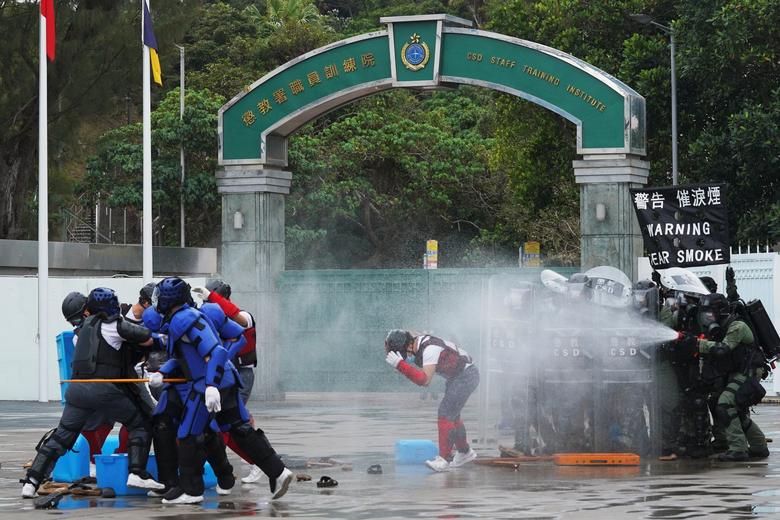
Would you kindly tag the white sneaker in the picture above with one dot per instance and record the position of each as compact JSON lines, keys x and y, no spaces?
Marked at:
{"x":438,"y":464}
{"x":281,"y":484}
{"x":462,"y":458}
{"x":221,"y":491}
{"x":184,"y":498}
{"x":29,"y":490}
{"x":254,"y":475}
{"x":138,"y":481}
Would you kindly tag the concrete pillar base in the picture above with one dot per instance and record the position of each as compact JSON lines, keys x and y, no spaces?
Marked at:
{"x":253,"y":202}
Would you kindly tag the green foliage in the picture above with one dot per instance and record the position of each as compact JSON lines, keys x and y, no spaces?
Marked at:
{"x":481,"y":171}
{"x":393,"y":171}
{"x":115,"y":174}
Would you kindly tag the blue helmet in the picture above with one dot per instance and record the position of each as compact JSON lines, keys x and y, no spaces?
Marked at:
{"x":103,"y":300}
{"x":169,"y":293}
{"x":152,"y":319}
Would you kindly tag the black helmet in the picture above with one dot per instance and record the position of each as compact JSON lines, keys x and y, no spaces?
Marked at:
{"x":219,"y":287}
{"x":103,"y":299}
{"x":73,"y":308}
{"x":709,"y":283}
{"x":146,"y":292}
{"x":397,"y":340}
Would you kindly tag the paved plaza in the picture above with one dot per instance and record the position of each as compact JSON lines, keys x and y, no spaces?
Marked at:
{"x":362,"y":429}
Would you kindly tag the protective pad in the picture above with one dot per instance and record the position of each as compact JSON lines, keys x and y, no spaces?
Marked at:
{"x":195,"y":418}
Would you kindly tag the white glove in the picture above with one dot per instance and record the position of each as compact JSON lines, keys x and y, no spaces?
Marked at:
{"x":202,"y":292}
{"x":213,"y":401}
{"x":155,"y":379}
{"x":393,"y":358}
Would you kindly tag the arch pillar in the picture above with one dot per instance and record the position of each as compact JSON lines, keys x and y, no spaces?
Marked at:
{"x":610,"y":236}
{"x":253,"y":203}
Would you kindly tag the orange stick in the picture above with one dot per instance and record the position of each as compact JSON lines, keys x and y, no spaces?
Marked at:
{"x":167,"y":380}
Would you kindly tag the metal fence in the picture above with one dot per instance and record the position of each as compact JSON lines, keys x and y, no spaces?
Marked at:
{"x":333,"y":323}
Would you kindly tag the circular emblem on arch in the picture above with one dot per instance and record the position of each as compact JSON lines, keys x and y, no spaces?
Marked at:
{"x":415,"y":54}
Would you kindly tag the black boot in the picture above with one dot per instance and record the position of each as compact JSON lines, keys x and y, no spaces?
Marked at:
{"x":758,"y":452}
{"x":216,"y":456}
{"x":53,"y":445}
{"x":137,"y":457}
{"x":166,"y":454}
{"x":192,"y":457}
{"x":255,"y":444}
{"x":733,"y":456}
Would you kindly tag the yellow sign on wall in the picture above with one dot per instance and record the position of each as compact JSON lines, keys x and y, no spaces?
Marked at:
{"x":530,"y":255}
{"x":432,"y":254}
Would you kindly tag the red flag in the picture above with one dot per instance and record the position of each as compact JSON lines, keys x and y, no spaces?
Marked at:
{"x":47,"y":11}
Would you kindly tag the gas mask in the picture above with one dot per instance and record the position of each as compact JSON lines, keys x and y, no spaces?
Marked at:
{"x":708,"y":321}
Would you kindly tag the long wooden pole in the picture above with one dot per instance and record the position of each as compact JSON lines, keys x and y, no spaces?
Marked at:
{"x":169,"y":380}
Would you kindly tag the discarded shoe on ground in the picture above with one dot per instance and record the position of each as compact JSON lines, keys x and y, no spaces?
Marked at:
{"x":375,"y":469}
{"x":326,"y":482}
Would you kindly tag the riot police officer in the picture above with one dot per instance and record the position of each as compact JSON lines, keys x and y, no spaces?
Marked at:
{"x":732,"y":359}
{"x":211,"y":393}
{"x":100,"y":354}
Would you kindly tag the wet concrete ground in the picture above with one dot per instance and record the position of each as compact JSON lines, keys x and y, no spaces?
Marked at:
{"x":363,"y":428}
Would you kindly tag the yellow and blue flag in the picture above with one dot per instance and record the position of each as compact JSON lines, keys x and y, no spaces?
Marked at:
{"x":151,"y":42}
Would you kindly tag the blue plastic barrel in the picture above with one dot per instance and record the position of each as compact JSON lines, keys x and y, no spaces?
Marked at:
{"x":415,"y":451}
{"x":74,"y":464}
{"x":110,"y":445}
{"x":65,"y":350}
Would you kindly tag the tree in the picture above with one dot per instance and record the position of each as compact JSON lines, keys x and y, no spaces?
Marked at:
{"x":114,"y":175}
{"x":389,"y":172}
{"x":98,"y":56}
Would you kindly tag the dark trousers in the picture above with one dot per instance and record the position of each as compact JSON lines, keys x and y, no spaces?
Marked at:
{"x":83,"y":400}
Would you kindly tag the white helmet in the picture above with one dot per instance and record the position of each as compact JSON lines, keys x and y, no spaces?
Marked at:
{"x":684,"y":280}
{"x":554,"y":281}
{"x":608,"y":286}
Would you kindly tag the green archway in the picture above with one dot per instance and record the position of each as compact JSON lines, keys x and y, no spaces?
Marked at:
{"x":426,"y":52}
{"x":609,"y":115}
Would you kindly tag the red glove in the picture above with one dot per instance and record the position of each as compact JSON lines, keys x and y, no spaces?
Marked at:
{"x":229,"y":308}
{"x":413,"y":374}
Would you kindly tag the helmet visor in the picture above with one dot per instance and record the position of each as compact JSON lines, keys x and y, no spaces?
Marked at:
{"x":155,"y":297}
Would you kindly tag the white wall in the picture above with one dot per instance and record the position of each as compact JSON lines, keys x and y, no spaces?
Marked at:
{"x":19,"y":326}
{"x":757,"y":276}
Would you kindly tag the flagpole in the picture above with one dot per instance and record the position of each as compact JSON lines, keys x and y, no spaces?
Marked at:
{"x":43,"y":220}
{"x":147,"y":144}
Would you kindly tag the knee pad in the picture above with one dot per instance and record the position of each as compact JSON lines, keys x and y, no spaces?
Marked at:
{"x":64,"y":439}
{"x":242,"y":429}
{"x":163,"y":424}
{"x":722,"y":415}
{"x":53,"y":445}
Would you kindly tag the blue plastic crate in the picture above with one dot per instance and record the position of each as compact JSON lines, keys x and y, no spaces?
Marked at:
{"x":112,"y":472}
{"x":65,"y":350}
{"x":74,"y":464}
{"x":415,"y":451}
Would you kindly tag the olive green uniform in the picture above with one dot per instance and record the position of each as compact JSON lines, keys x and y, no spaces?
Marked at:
{"x":741,"y":431}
